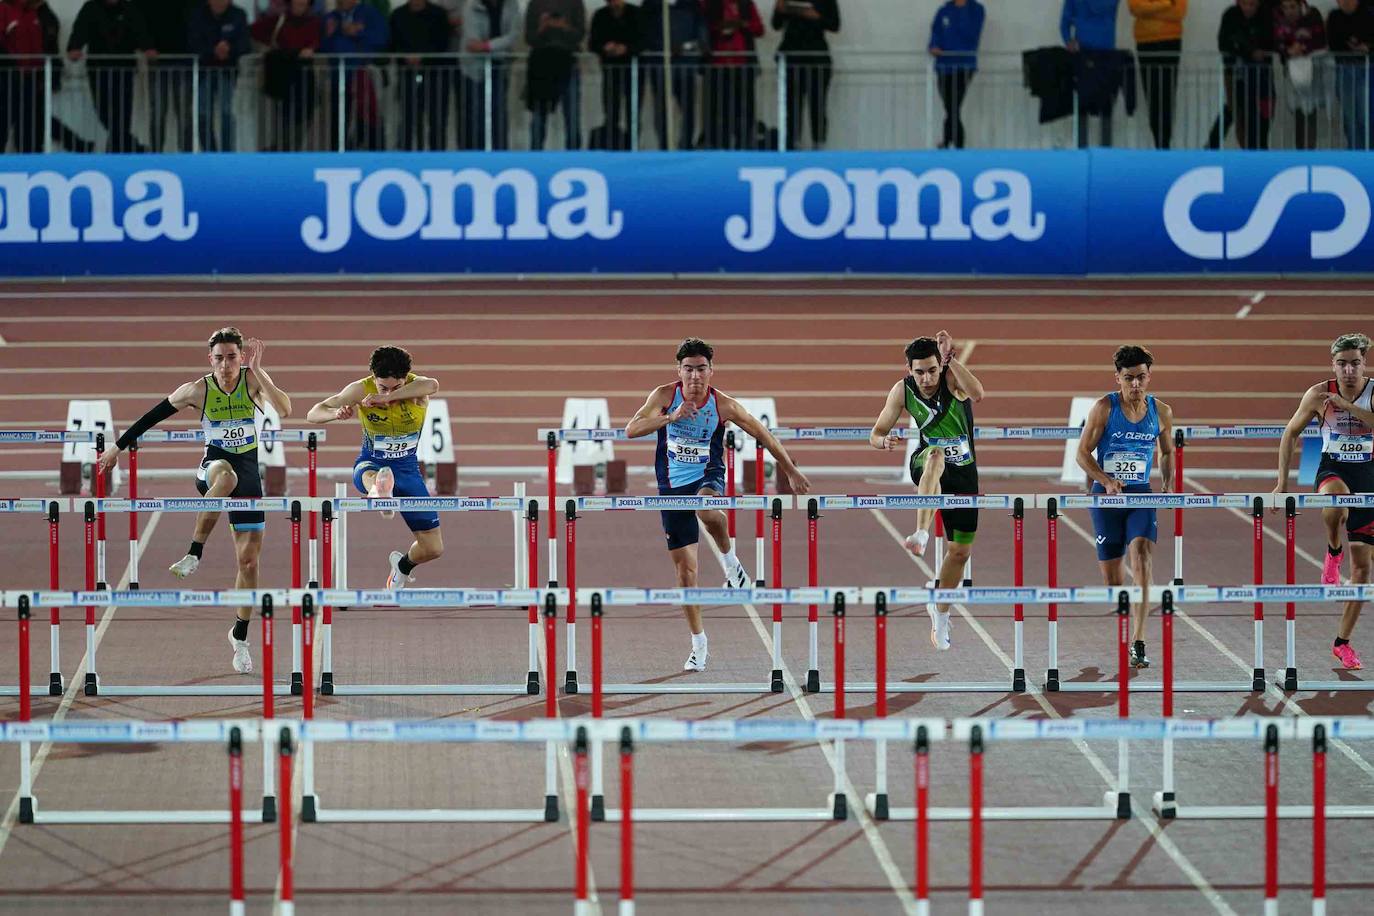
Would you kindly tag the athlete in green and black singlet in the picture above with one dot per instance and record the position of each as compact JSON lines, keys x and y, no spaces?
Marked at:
{"x":946,"y":423}
{"x":231,"y":435}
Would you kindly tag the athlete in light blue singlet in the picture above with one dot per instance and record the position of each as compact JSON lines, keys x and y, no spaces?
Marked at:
{"x":689,"y":418}
{"x":1117,"y":452}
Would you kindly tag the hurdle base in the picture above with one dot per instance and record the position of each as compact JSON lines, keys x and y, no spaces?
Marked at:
{"x":1065,"y":813}
{"x":189,"y":690}
{"x":327,"y":683}
{"x":1052,"y":679}
{"x":813,"y":681}
{"x":269,"y":809}
{"x":36,"y":690}
{"x":712,"y":815}
{"x":1120,"y":802}
{"x":638,"y":689}
{"x":137,"y":816}
{"x":532,"y":683}
{"x":1165,"y":805}
{"x":839,"y":806}
{"x":775,"y":683}
{"x":1290,"y":680}
{"x":550,"y":808}
{"x":1257,"y":681}
{"x":1137,"y":686}
{"x":921,"y":687}
{"x":598,"y":807}
{"x":430,"y":816}
{"x":430,"y":690}
{"x":309,"y":810}
{"x":570,"y":682}
{"x":26,"y":809}
{"x":297,"y":683}
{"x":55,"y":684}
{"x":92,"y":687}
{"x":1018,"y":680}
{"x":1258,"y":813}
{"x":1334,"y":686}
{"x":877,"y":805}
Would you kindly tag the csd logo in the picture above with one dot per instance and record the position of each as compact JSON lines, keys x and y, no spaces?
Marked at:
{"x":1264,"y":217}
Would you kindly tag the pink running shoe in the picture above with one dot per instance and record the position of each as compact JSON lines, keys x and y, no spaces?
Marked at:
{"x":1331,"y":568}
{"x":1349,"y":660}
{"x":382,"y":487}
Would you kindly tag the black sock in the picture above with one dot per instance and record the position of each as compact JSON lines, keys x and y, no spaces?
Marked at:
{"x":406,"y":566}
{"x":1334,"y":551}
{"x":195,"y":549}
{"x":240,"y":629}
{"x":1341,"y":642}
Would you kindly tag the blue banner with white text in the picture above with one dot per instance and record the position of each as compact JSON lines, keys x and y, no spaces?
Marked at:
{"x":999,"y":212}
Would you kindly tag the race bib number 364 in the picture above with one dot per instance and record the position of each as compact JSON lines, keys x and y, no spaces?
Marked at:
{"x":687,"y":452}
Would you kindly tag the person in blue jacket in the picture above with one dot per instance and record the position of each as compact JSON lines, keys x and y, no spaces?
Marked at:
{"x":1090,"y":25}
{"x":217,"y":33}
{"x":356,"y":28}
{"x":954,"y":37}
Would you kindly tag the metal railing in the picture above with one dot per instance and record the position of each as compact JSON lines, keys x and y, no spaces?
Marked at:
{"x":848,"y":100}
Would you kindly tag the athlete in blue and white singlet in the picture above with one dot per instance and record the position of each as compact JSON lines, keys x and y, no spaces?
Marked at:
{"x":689,"y":420}
{"x":1117,"y":452}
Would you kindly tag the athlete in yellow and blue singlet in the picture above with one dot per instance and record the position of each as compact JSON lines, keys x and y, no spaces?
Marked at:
{"x":390,"y":405}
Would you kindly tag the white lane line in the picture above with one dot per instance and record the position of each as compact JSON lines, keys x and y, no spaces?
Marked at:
{"x":857,"y":808}
{"x":75,"y":685}
{"x":1143,"y":817}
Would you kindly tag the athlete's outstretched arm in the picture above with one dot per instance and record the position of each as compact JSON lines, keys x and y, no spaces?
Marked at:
{"x":1087,"y":442}
{"x":653,"y":416}
{"x":186,"y":395}
{"x":1166,"y":444}
{"x":965,"y":382}
{"x":419,"y":389}
{"x":340,"y":406}
{"x":253,"y":350}
{"x":734,"y":412}
{"x":1312,"y":401}
{"x":879,"y":438}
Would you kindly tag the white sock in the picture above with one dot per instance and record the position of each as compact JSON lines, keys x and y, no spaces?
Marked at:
{"x":698,"y":641}
{"x":729,"y":561}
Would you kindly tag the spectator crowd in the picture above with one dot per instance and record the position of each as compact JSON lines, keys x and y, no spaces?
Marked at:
{"x":440,"y":74}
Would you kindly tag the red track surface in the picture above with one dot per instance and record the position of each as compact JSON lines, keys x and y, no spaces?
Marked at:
{"x":1249,"y":369}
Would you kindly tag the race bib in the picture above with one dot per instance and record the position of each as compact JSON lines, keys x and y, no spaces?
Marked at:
{"x":395,"y":446}
{"x":956,"y":450}
{"x":688,"y":452}
{"x":1127,"y":467}
{"x":1352,"y":448}
{"x":232,"y":434}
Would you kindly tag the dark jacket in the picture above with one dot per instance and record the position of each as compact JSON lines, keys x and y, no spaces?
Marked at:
{"x":686,"y":27}
{"x":1238,"y":36}
{"x":623,"y":29}
{"x":207,"y":30}
{"x":109,"y":28}
{"x":425,"y":32}
{"x":167,"y":20}
{"x":1342,"y":28}
{"x":808,"y":35}
{"x":1053,"y":74}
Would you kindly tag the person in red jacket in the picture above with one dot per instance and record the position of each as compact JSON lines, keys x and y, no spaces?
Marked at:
{"x":292,"y":38}
{"x":28,"y":30}
{"x":730,"y":103}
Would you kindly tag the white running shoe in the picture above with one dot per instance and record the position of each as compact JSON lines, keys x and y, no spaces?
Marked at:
{"x":397,"y":579}
{"x":382,"y":487}
{"x":916,"y":543}
{"x":696,"y":661}
{"x":184,"y":567}
{"x":737,"y":577}
{"x":243,"y":659}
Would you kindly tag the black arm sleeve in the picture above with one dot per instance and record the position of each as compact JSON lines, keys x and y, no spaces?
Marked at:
{"x":160,"y":412}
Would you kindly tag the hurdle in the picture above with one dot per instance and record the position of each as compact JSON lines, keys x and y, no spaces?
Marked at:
{"x":1289,"y":681}
{"x":52,"y":510}
{"x":335,"y":512}
{"x":1052,"y":504}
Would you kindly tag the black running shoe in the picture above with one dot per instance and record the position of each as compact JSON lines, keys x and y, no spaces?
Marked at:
{"x":1138,"y":657}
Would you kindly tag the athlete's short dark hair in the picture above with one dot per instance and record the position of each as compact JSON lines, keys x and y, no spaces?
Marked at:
{"x":226,"y":335}
{"x":922,"y":347}
{"x":1131,"y":355}
{"x":1354,"y":341}
{"x":389,"y":362}
{"x":695,"y":346}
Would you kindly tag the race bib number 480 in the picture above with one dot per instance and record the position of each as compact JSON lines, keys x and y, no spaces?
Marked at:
{"x":688,"y":452}
{"x":1125,"y":467}
{"x":1353,"y":448}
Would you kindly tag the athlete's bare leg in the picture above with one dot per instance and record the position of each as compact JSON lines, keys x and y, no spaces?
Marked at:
{"x":715,"y":522}
{"x":685,"y":565}
{"x":427,"y":546}
{"x":952,"y":569}
{"x":1361,"y":559}
{"x":932,"y":469}
{"x":247,"y":550}
{"x":1334,"y":519}
{"x":1142,"y":569}
{"x":221,"y":481}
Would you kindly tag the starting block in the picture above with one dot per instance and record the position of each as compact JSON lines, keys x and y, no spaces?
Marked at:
{"x":78,"y":458}
{"x":584,"y":457}
{"x":584,"y":478}
{"x":436,"y":448}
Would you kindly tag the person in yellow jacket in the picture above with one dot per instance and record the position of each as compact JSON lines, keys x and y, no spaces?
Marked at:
{"x":1159,"y":41}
